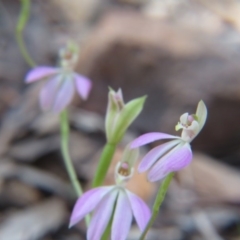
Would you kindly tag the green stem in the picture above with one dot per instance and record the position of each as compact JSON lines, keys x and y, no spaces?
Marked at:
{"x":104,"y":163}
{"x":107,"y":232}
{"x":66,"y":156}
{"x":157,"y":204}
{"x":22,"y":20}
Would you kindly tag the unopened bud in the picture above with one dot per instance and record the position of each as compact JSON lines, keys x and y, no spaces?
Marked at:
{"x":120,"y":115}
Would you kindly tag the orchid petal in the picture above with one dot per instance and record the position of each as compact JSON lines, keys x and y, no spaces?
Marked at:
{"x":87,"y":202}
{"x":184,"y":118}
{"x":151,"y":157}
{"x":150,"y":137}
{"x":175,"y":160}
{"x":49,"y":92}
{"x":201,"y":114}
{"x":39,"y":73}
{"x":140,"y":210}
{"x":122,"y":217}
{"x":83,"y":85}
{"x":64,"y":96}
{"x":102,"y":215}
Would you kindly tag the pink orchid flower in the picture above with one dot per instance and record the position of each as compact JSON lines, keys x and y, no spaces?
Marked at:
{"x":105,"y":201}
{"x":58,"y":91}
{"x":113,"y":203}
{"x":175,"y":154}
{"x":62,"y":81}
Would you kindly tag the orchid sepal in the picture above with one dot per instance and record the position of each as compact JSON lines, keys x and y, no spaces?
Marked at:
{"x":201,"y":114}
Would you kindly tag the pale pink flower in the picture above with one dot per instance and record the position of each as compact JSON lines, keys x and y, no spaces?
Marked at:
{"x":175,"y":154}
{"x":113,"y":202}
{"x":109,"y":201}
{"x":58,"y":91}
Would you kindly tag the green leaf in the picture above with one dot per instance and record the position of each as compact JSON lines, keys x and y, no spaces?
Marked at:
{"x":128,"y":114}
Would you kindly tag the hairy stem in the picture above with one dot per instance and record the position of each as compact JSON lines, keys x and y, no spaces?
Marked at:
{"x":22,"y":20}
{"x":66,"y":157}
{"x":157,"y":204}
{"x":104,"y":163}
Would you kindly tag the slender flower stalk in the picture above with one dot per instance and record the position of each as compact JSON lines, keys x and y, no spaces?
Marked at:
{"x":104,"y":163}
{"x":119,"y":117}
{"x":22,"y":20}
{"x":67,"y":159}
{"x":157,"y":204}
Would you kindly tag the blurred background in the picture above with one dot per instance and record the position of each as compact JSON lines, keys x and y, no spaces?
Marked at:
{"x":175,"y":51}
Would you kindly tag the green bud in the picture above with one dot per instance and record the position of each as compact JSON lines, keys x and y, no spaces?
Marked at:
{"x":120,"y":116}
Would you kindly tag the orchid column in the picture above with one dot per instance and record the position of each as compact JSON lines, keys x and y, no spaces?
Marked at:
{"x":57,"y":93}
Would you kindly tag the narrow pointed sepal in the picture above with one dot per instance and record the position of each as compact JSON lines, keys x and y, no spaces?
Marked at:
{"x":102,"y":215}
{"x":64,"y":96}
{"x":151,"y":137}
{"x":201,"y":114}
{"x":121,"y":222}
{"x":141,"y":211}
{"x":83,"y":86}
{"x":49,"y":92}
{"x":39,"y":73}
{"x":87,"y":203}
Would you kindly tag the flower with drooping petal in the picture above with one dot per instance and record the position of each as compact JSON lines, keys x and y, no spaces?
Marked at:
{"x":113,"y":202}
{"x":175,"y":154}
{"x":58,"y":91}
